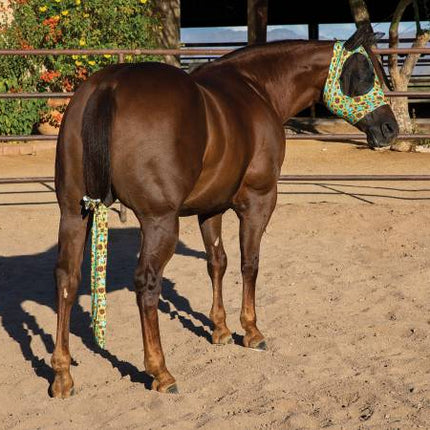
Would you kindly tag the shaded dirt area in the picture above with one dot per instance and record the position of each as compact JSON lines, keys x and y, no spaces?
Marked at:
{"x":343,"y":299}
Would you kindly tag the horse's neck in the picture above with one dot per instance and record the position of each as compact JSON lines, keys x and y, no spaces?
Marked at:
{"x":291,"y":77}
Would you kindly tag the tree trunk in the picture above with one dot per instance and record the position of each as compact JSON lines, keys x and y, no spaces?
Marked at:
{"x":360,"y":13}
{"x":400,"y":76}
{"x":257,"y":21}
{"x":400,"y":105}
{"x":169,"y":35}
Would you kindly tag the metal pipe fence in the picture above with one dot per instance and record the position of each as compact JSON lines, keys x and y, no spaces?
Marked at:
{"x":120,"y":53}
{"x":182,"y":51}
{"x":300,"y":136}
{"x":208,"y":53}
{"x":409,"y":94}
{"x":282,"y":178}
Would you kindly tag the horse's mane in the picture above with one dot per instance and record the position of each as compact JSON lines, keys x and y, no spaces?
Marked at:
{"x":257,"y":49}
{"x":362,"y":36}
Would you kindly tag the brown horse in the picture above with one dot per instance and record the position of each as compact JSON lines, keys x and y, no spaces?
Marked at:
{"x":168,"y":144}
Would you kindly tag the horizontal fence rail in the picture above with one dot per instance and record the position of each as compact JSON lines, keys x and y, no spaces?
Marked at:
{"x":135,"y":52}
{"x":26,"y":180}
{"x":409,"y":94}
{"x":35,"y":95}
{"x":388,"y":178}
{"x":282,"y":178}
{"x":301,"y":136}
{"x":349,"y":136}
{"x":212,"y":52}
{"x":181,"y":51}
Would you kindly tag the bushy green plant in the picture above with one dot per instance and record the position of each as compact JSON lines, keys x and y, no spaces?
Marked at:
{"x":65,"y":24}
{"x":19,"y":116}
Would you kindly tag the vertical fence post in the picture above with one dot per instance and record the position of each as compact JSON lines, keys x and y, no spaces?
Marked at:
{"x":122,"y":208}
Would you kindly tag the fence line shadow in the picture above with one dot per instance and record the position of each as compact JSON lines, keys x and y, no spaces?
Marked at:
{"x":357,"y":191}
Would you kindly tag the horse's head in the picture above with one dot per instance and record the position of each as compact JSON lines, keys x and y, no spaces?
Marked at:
{"x":353,"y":89}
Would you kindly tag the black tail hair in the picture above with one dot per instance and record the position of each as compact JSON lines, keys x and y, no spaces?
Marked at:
{"x":96,"y":134}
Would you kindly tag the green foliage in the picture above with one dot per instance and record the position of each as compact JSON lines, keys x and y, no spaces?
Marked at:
{"x":65,"y":24}
{"x":19,"y":116}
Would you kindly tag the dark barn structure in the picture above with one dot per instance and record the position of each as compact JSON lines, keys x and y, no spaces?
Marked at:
{"x":201,"y":13}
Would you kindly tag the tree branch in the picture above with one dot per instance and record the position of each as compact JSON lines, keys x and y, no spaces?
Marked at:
{"x":411,"y":60}
{"x":393,"y":64}
{"x":417,"y":16}
{"x":360,"y":13}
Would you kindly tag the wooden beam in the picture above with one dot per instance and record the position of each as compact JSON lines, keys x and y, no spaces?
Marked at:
{"x":313,"y":31}
{"x":257,"y":21}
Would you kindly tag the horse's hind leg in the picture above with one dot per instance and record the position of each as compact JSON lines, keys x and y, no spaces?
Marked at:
{"x":216,"y":264}
{"x":71,"y":243}
{"x":254,"y":210}
{"x":159,"y":237}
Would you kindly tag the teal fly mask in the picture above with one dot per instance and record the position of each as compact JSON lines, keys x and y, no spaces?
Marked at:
{"x":352,"y":109}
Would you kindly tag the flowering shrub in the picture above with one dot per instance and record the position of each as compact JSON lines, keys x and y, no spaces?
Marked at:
{"x":54,"y":117}
{"x":68,"y":24}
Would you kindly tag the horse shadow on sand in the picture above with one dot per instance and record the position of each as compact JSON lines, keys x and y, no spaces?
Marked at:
{"x":18,"y":275}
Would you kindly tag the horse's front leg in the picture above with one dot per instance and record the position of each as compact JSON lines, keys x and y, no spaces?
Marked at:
{"x":216,"y":263}
{"x":159,"y":237}
{"x":71,"y":242}
{"x":254,"y":209}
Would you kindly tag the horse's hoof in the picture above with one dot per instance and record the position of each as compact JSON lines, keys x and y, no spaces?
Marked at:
{"x":225,"y":340}
{"x":60,"y":394}
{"x":260,"y":346}
{"x":173,"y":389}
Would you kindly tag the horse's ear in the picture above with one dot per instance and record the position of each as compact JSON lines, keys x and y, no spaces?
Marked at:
{"x":377,"y":37}
{"x":356,"y":39}
{"x":363,"y":36}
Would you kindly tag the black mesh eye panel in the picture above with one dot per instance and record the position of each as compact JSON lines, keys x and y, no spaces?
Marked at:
{"x":357,"y":77}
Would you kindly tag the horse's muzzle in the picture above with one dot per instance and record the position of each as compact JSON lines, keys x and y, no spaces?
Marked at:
{"x":380,"y":126}
{"x":382,"y":135}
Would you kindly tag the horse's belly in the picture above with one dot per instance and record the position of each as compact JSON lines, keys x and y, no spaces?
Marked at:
{"x":207,"y":201}
{"x":216,"y":186}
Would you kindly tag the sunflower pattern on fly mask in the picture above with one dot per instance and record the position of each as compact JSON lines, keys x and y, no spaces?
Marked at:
{"x":99,"y":243}
{"x":352,"y":109}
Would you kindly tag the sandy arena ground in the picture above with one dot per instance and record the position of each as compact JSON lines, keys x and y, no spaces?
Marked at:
{"x":343,"y":298}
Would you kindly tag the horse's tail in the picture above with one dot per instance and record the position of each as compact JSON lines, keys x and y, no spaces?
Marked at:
{"x":96,"y":135}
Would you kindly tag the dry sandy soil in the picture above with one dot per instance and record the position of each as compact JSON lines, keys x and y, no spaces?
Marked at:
{"x":343,"y":299}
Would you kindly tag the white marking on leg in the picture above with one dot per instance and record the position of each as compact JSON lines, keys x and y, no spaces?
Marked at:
{"x":65,"y":293}
{"x":216,"y":243}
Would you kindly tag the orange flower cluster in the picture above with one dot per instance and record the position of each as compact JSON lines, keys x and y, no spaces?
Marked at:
{"x":25,"y":45}
{"x":49,"y":75}
{"x":53,"y":117}
{"x":67,"y":85}
{"x":56,"y":118}
{"x":54,"y":33}
{"x":81,"y":74}
{"x":51,"y":22}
